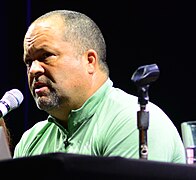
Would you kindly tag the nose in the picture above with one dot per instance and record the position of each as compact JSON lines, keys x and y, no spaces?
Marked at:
{"x":36,"y":68}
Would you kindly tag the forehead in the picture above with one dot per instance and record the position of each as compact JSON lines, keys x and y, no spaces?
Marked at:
{"x":43,"y":35}
{"x":46,"y":25}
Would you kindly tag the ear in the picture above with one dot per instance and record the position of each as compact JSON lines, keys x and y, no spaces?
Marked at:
{"x":92,"y":60}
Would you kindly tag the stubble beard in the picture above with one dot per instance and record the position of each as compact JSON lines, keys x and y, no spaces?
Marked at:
{"x":49,"y":102}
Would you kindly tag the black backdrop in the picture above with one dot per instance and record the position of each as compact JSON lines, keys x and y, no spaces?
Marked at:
{"x":136,"y":32}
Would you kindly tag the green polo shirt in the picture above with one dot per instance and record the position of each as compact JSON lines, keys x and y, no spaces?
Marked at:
{"x":106,"y":125}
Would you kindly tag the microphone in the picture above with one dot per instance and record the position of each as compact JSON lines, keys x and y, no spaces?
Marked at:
{"x":11,"y":100}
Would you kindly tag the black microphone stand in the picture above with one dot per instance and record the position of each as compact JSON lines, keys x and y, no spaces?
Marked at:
{"x":142,"y":77}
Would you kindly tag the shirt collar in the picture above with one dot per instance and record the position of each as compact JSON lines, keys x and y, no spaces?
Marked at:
{"x":78,"y":116}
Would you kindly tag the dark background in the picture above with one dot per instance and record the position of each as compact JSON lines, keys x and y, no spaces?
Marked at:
{"x":136,"y":32}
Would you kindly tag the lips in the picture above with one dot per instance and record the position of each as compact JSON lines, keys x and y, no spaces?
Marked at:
{"x":39,"y":87}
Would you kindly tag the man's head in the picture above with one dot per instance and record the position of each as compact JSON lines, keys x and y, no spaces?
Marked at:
{"x":65,"y":54}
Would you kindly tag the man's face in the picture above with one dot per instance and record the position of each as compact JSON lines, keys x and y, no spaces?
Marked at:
{"x":56,"y":76}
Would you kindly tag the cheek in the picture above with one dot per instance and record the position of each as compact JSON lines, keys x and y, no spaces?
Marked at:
{"x":71,"y":72}
{"x":30,"y":79}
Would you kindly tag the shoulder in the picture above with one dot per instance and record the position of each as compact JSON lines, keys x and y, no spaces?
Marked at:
{"x":31,"y":133}
{"x":37,"y":127}
{"x":120,"y":97}
{"x":28,"y":137}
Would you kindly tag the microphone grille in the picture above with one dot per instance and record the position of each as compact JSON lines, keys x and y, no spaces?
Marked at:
{"x":13,"y":97}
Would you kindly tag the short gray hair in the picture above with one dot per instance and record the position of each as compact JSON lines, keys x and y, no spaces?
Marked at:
{"x":83,"y":31}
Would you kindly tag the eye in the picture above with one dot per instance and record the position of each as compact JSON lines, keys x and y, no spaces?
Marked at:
{"x":28,"y":63}
{"x":45,"y":56}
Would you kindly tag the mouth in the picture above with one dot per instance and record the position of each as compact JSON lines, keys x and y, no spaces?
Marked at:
{"x":39,"y":88}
